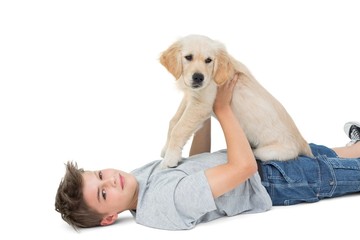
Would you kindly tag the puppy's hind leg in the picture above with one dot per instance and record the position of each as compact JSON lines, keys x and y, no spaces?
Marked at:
{"x":276,"y":152}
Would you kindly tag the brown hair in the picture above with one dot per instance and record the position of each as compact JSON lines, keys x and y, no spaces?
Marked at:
{"x":69,"y":201}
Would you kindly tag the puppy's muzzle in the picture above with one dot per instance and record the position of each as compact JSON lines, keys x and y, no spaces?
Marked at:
{"x":197,"y":80}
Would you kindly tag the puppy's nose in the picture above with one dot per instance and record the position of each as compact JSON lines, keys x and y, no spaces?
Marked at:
{"x":198,"y":77}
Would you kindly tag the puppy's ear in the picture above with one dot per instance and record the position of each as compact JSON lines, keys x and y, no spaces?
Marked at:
{"x":224,"y":68}
{"x":171,"y":60}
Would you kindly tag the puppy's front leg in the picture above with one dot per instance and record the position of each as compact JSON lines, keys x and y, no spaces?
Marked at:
{"x":191,"y":120}
{"x":172,"y":123}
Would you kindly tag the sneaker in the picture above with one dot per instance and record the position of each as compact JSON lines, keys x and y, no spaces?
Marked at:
{"x":352,"y":130}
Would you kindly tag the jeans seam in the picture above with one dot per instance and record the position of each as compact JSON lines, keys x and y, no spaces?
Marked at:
{"x":332,"y":182}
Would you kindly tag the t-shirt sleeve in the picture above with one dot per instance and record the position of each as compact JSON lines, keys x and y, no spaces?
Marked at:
{"x":193,"y":198}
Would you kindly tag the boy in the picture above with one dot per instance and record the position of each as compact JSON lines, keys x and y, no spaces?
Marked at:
{"x":207,"y":186}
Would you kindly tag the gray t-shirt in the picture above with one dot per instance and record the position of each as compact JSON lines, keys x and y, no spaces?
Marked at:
{"x":180,"y":198}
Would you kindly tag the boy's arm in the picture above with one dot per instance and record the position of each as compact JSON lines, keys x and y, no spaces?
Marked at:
{"x":241,"y":163}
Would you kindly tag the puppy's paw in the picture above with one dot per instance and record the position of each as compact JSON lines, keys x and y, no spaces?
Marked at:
{"x":165,"y":165}
{"x":170,"y":160}
{"x":163,"y":151}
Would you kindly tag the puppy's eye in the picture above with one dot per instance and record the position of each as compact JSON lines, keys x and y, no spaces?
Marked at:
{"x":189,"y":57}
{"x":208,"y":60}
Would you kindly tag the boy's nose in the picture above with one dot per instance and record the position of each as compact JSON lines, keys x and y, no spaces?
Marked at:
{"x":111,"y":182}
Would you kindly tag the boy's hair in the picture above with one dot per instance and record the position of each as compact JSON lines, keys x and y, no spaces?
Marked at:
{"x":69,"y":201}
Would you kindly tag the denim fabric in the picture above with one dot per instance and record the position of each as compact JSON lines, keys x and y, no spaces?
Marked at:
{"x":306,"y":179}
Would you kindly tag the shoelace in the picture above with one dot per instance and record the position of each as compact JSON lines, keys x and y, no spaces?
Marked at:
{"x":354,"y":133}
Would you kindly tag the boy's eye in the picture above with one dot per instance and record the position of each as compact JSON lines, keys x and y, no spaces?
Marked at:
{"x":103,"y":193}
{"x":100,"y":175}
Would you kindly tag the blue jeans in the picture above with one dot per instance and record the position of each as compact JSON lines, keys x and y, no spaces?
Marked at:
{"x":307,"y":179}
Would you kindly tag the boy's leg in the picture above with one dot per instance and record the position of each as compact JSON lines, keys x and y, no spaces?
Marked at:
{"x":332,"y":173}
{"x":339,"y":176}
{"x":352,"y":149}
{"x":307,"y":179}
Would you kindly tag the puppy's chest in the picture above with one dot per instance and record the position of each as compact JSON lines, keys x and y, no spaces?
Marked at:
{"x":207,"y":95}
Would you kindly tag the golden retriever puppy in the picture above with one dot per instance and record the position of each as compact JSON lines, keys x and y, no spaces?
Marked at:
{"x":200,"y":64}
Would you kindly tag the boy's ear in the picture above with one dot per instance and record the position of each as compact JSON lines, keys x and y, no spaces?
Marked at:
{"x":110,"y":219}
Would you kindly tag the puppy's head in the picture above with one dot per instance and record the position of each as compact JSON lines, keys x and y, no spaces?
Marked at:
{"x":197,"y":61}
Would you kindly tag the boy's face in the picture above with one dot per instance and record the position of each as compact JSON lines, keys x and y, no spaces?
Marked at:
{"x":110,"y":192}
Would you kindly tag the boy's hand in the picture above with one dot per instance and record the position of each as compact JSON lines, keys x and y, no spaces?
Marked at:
{"x":224,"y":94}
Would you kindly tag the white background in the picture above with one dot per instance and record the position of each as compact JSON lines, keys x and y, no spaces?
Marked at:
{"x":81,"y":80}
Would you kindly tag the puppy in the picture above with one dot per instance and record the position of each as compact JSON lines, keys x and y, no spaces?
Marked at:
{"x":200,"y":64}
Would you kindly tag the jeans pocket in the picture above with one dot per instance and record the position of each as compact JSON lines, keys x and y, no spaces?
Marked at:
{"x":279,"y":172}
{"x":288,"y":182}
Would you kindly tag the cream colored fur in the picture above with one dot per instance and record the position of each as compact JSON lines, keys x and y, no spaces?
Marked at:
{"x":269,"y":128}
